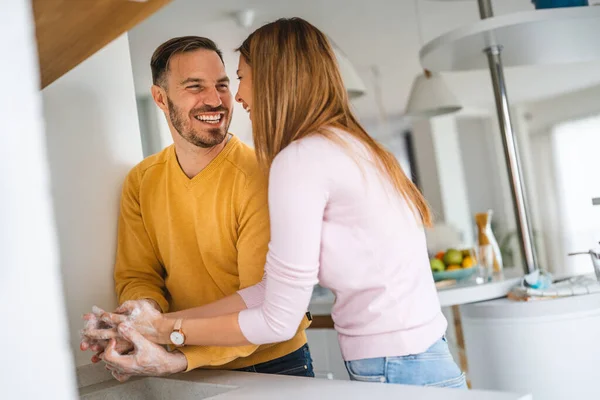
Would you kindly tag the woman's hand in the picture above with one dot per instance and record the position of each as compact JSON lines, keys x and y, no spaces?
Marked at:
{"x":141,"y":315}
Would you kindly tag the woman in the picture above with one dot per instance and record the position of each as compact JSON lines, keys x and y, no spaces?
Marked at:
{"x":342,"y":213}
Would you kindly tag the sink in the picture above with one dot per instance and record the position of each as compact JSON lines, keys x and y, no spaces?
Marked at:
{"x":153,"y":389}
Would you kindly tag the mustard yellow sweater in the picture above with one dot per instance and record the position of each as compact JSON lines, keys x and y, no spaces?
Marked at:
{"x":188,"y":242}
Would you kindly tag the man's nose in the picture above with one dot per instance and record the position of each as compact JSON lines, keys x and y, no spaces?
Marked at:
{"x":213,"y":99}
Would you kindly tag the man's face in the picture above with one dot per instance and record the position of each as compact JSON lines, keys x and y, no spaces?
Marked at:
{"x":198,"y":97}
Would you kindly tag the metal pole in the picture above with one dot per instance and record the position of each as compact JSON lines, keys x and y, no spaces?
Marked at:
{"x":485,"y":9}
{"x":510,"y":148}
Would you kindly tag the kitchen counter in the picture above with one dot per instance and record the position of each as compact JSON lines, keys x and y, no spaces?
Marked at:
{"x":227,"y":385}
{"x":545,"y":347}
{"x":461,"y":293}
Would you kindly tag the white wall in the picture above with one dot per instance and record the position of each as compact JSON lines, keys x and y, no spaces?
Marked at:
{"x":441,"y":173}
{"x":149,"y":129}
{"x":390,"y":133}
{"x":427,"y":167}
{"x":453,"y":184}
{"x":540,"y":116}
{"x":93,"y":141}
{"x":484,"y":168}
{"x":36,"y":361}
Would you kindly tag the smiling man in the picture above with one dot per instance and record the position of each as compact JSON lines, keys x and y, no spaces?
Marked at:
{"x":194,"y":223}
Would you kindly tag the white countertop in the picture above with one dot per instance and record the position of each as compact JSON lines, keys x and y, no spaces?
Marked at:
{"x":244,"y":385}
{"x":461,"y":293}
{"x":465,"y":293}
{"x":587,"y":305}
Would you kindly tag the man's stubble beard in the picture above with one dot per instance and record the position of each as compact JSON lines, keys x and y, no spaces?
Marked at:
{"x":212,"y":137}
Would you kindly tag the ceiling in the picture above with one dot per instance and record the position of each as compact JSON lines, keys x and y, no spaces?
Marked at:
{"x":377,"y":33}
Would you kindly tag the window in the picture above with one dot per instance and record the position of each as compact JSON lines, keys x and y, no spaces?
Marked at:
{"x":575,"y":149}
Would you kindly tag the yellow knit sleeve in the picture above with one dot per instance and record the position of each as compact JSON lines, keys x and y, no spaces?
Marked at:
{"x":138,"y":272}
{"x":253,"y":231}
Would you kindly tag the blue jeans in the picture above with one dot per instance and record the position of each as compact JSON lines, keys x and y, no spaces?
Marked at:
{"x":298,"y":363}
{"x":434,"y":367}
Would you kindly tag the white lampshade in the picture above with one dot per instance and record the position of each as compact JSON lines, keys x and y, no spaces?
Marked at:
{"x":354,"y":84}
{"x":430,"y":97}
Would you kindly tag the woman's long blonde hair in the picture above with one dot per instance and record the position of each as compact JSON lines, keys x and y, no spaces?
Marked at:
{"x":298,"y":91}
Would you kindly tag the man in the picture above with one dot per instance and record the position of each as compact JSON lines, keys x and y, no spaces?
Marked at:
{"x":194,"y":225}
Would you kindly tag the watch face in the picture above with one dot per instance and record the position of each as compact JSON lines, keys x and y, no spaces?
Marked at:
{"x":177,"y":338}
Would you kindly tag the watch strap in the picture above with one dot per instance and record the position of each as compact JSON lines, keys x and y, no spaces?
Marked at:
{"x":178,"y":323}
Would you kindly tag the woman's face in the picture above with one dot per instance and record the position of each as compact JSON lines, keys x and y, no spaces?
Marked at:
{"x":244,"y":93}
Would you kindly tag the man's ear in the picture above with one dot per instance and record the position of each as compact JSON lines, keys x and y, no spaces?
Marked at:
{"x":160,"y":97}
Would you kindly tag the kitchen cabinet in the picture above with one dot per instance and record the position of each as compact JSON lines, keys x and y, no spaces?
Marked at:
{"x":326,"y":354}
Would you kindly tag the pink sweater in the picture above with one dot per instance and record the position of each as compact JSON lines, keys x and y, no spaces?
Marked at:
{"x":335,"y":220}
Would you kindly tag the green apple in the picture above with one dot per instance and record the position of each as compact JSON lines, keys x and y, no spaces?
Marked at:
{"x":437,"y":265}
{"x":453,"y":257}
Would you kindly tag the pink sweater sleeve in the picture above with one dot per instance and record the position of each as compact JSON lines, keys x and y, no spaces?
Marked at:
{"x":298,"y":194}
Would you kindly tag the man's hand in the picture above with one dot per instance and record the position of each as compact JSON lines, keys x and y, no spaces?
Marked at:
{"x":146,"y":358}
{"x":122,"y":346}
{"x":98,"y":346}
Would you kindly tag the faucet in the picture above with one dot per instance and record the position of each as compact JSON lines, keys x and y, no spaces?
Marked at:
{"x":595,"y":255}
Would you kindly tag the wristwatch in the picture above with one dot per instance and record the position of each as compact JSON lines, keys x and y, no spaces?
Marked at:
{"x":177,"y":336}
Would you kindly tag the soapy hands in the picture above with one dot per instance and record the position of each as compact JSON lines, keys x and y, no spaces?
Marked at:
{"x":140,"y":314}
{"x":147,"y":358}
{"x":92,"y":323}
{"x":120,"y":339}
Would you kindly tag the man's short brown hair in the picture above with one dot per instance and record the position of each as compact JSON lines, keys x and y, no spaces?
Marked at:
{"x":162,"y":55}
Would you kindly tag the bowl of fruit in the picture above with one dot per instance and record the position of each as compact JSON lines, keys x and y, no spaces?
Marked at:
{"x":453,"y":264}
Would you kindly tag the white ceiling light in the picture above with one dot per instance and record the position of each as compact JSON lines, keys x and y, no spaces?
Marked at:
{"x":244,"y":18}
{"x":429,"y":96}
{"x":352,"y":81}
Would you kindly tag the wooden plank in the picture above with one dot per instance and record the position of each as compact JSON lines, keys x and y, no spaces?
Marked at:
{"x":69,"y":31}
{"x":321,"y":322}
{"x":460,"y":341}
